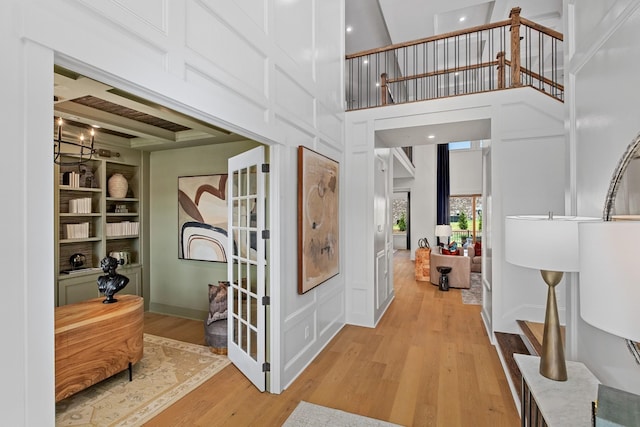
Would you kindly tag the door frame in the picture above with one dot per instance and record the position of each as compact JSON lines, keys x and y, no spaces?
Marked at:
{"x":275,"y":154}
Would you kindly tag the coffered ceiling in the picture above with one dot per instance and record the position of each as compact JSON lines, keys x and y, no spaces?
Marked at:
{"x":125,"y":120}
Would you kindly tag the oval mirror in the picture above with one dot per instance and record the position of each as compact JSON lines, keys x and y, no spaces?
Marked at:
{"x":623,"y":200}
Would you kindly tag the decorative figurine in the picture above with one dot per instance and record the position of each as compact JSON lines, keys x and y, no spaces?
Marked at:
{"x":111,"y":282}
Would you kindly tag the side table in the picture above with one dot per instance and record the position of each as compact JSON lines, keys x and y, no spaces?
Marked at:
{"x":443,"y":285}
{"x":556,"y":403}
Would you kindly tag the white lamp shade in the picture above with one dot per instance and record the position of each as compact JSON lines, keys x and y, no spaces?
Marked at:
{"x":535,"y":241}
{"x":610,"y":277}
{"x":443,"y":230}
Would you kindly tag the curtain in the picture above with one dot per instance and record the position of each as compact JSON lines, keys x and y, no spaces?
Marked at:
{"x":443,"y":184}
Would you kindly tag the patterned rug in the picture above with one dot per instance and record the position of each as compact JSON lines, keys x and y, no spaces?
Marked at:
{"x":309,"y":415}
{"x":168,"y":370}
{"x":473,"y":295}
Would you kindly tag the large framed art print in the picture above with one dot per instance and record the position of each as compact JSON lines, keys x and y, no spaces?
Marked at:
{"x":318,"y":219}
{"x":202,"y":217}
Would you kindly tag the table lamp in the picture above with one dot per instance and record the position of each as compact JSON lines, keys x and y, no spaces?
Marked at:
{"x":443,"y":230}
{"x":610,"y":278}
{"x":549,"y":244}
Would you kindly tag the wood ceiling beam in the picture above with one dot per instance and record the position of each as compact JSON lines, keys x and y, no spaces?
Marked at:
{"x":92,"y":116}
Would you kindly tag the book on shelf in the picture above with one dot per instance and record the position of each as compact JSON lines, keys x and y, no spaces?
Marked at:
{"x":81,"y":270}
{"x":82,"y":205}
{"x":615,"y":407}
{"x":72,"y":179}
{"x":124,"y":228}
{"x":77,"y":231}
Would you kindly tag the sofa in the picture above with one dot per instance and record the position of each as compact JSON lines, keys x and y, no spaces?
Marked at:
{"x":460,"y":276}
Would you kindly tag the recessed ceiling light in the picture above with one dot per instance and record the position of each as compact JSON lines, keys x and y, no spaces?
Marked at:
{"x":349,"y":28}
{"x":366,"y":61}
{"x":377,"y":84}
{"x":462,"y":18}
{"x":431,"y":136}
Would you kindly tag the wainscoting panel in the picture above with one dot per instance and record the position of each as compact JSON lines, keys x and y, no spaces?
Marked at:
{"x":242,"y":105}
{"x":295,"y":37}
{"x":222,"y":45}
{"x":330,"y":124}
{"x":134,"y":15}
{"x":292,"y":97}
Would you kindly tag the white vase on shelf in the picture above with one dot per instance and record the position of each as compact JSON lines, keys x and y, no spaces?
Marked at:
{"x":117,"y":186}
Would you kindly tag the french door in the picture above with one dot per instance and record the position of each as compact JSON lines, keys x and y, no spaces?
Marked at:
{"x":246,"y":266}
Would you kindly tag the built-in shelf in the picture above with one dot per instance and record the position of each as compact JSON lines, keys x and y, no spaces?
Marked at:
{"x":73,"y":215}
{"x":80,"y":189}
{"x":86,"y":239}
{"x":91,"y":208}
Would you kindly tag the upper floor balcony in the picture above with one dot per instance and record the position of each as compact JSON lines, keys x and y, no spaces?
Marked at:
{"x":506,"y":54}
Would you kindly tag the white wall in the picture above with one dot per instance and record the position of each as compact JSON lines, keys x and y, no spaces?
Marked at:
{"x":527,"y":176}
{"x":269,"y":70}
{"x":465,"y":172}
{"x":179,"y":286}
{"x":603,"y":119}
{"x":423,"y":196}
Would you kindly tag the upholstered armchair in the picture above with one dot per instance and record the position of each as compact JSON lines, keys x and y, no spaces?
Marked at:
{"x":460,"y":276}
{"x":476,"y":260}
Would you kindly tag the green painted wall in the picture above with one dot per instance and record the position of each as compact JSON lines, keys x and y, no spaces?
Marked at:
{"x":177,"y":286}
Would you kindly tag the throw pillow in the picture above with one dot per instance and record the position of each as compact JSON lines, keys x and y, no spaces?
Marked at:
{"x":478,"y":249}
{"x":217,"y":302}
{"x":448,"y":252}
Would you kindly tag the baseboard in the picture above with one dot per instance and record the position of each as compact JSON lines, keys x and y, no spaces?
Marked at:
{"x":171,"y":310}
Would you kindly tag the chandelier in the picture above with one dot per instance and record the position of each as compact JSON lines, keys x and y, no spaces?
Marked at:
{"x":81,"y":154}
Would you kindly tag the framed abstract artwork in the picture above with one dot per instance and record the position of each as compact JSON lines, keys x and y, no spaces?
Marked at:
{"x":318,"y":219}
{"x":202,"y":217}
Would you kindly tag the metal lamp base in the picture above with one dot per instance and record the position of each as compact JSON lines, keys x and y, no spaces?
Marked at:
{"x":552,"y":362}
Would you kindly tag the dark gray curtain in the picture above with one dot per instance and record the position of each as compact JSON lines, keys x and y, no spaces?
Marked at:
{"x":443,"y":184}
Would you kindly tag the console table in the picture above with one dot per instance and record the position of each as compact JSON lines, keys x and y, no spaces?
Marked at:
{"x":556,"y":403}
{"x":94,"y":341}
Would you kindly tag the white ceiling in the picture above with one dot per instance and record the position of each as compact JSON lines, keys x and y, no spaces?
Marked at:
{"x":378,"y":23}
{"x":471,"y":130}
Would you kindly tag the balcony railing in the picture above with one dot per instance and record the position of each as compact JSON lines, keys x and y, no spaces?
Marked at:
{"x":506,"y":54}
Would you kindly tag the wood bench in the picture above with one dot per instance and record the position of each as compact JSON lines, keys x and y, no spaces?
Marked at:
{"x":94,"y":341}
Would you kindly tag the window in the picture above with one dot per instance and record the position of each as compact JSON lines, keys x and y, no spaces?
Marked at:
{"x":460,"y":145}
{"x":466,"y":218}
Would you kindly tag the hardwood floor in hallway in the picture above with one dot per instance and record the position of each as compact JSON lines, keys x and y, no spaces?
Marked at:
{"x":429,"y":362}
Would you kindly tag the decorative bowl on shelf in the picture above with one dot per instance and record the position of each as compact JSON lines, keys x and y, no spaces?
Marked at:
{"x":77,"y":260}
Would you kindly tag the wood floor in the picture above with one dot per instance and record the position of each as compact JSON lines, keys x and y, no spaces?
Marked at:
{"x":428,"y":363}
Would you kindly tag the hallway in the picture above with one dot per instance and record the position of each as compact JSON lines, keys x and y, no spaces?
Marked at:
{"x":428,"y":363}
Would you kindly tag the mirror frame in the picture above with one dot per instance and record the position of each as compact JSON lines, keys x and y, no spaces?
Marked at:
{"x":607,"y":214}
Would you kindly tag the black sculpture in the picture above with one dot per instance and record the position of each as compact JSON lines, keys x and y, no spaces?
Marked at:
{"x":111,"y":282}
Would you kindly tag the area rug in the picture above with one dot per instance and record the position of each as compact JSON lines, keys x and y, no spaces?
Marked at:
{"x":168,"y":370}
{"x":473,"y":295}
{"x":310,"y":415}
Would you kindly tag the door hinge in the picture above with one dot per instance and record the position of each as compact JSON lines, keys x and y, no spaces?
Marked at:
{"x":265,"y":168}
{"x":266,"y":367}
{"x":266,"y":234}
{"x":266,"y":300}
